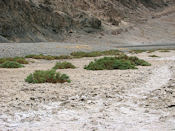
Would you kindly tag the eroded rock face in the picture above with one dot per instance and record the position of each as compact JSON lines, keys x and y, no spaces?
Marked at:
{"x":3,"y":40}
{"x":51,"y":20}
{"x":23,"y":20}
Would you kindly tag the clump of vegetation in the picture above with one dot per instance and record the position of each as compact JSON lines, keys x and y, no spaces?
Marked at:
{"x":63,"y":57}
{"x":134,"y":60}
{"x":150,"y":51}
{"x":11,"y":64}
{"x":165,"y":50}
{"x":20,"y":60}
{"x":49,"y":76}
{"x":153,"y":56}
{"x":64,"y":65}
{"x":49,"y":57}
{"x":41,"y":56}
{"x":137,"y":51}
{"x":81,"y":54}
{"x":122,"y":62}
{"x":110,"y":63}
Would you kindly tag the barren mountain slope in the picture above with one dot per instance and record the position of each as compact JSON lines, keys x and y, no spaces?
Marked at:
{"x":44,"y":20}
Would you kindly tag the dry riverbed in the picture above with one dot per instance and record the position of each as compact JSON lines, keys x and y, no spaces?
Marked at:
{"x":122,"y":100}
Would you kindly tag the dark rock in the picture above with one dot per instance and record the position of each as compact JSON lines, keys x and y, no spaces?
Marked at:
{"x":3,"y":40}
{"x":23,"y":21}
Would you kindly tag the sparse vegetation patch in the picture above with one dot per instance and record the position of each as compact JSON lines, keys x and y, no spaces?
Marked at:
{"x":81,"y":54}
{"x":165,"y":50}
{"x":122,"y":62}
{"x":11,"y":64}
{"x":137,"y":51}
{"x":78,"y":54}
{"x":49,"y":76}
{"x":41,"y":56}
{"x":153,"y":56}
{"x":149,"y":51}
{"x":48,"y":57}
{"x":134,"y":60}
{"x":64,"y":65}
{"x":20,"y":60}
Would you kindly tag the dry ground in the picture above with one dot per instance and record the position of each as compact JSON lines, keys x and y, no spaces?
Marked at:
{"x":142,"y":99}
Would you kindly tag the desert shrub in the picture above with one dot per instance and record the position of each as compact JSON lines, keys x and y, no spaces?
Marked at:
{"x":110,"y":63}
{"x":112,"y":52}
{"x":41,"y":56}
{"x":134,"y":60}
{"x":121,"y":62}
{"x":123,"y":65}
{"x":63,"y":57}
{"x":153,"y":56}
{"x":137,"y":51}
{"x":64,"y":65}
{"x":49,"y":57}
{"x":165,"y":50}
{"x":20,"y":60}
{"x":81,"y":54}
{"x":11,"y":64}
{"x":49,"y":76}
{"x":150,"y":51}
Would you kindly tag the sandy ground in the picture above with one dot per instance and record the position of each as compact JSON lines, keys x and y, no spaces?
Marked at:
{"x":142,"y":99}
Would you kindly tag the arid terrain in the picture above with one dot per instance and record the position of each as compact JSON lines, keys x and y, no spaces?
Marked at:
{"x":58,"y":20}
{"x":142,"y":99}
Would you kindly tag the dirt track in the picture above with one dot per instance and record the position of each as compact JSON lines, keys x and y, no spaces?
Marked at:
{"x":140,"y":99}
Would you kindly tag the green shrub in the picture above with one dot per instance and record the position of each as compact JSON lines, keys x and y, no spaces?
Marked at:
{"x":165,"y":50}
{"x":137,"y":51}
{"x":48,"y":57}
{"x":63,"y":57}
{"x":121,"y":62}
{"x":49,"y":76}
{"x":123,"y":65}
{"x":153,"y":56}
{"x":64,"y":65}
{"x":150,"y":51}
{"x":11,"y":64}
{"x":110,"y":63}
{"x":134,"y":60}
{"x":81,"y":54}
{"x":41,"y":56}
{"x":112,"y":52}
{"x":20,"y":60}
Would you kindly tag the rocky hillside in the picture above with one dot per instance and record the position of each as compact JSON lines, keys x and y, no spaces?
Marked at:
{"x":53,"y":20}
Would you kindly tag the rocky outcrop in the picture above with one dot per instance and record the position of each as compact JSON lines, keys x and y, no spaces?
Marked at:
{"x":24,"y":21}
{"x":3,"y":40}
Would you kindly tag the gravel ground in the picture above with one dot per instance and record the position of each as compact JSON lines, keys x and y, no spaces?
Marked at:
{"x":140,"y":99}
{"x":23,"y":49}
